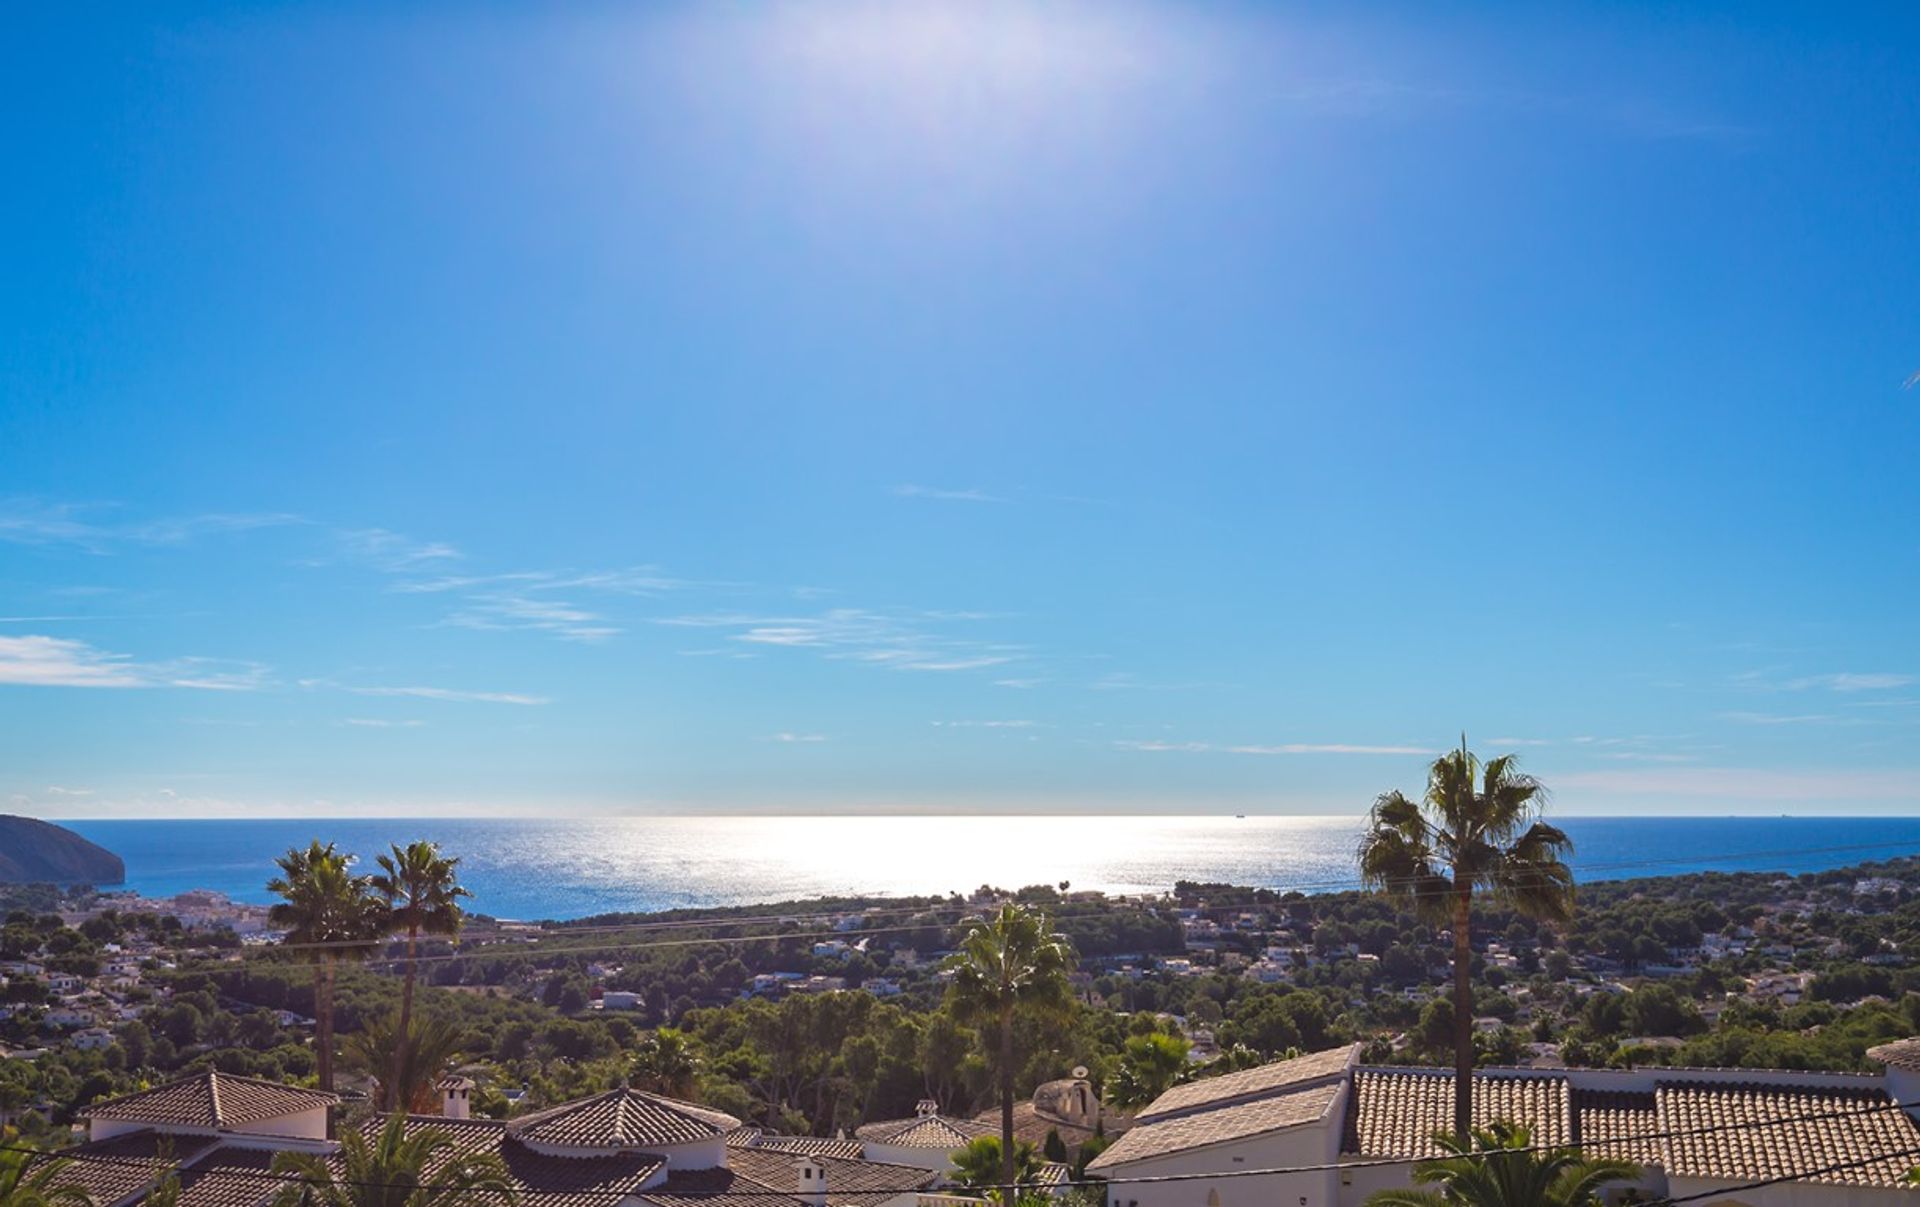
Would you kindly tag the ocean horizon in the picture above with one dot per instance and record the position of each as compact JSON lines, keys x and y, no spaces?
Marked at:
{"x":526,"y":868}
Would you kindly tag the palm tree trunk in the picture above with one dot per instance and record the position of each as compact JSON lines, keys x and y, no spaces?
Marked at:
{"x":323,"y":1021}
{"x":1007,"y":1172}
{"x":404,"y":1039}
{"x":1463,"y":1010}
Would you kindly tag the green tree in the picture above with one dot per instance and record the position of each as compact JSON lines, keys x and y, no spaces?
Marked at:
{"x":666,"y":1063}
{"x":27,"y":1180}
{"x":332,"y":913}
{"x":1009,"y":965}
{"x":1494,"y":1168}
{"x":406,"y":1068}
{"x":1477,"y":829}
{"x":981,"y":1165}
{"x":395,"y":1169}
{"x":1150,"y":1065}
{"x":421,"y":888}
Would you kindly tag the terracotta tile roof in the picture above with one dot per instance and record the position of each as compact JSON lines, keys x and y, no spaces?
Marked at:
{"x":1236,"y":1121}
{"x":1900,"y":1054}
{"x":544,"y":1180}
{"x":1315,"y":1066}
{"x":1032,"y":1124}
{"x":230,"y":1177}
{"x":1614,"y":1124}
{"x":929,"y":1131}
{"x":623,"y":1119}
{"x":1396,"y":1112}
{"x":211,"y":1100}
{"x":1880,"y":1144}
{"x":112,"y":1169}
{"x":818,"y":1146}
{"x":848,"y":1180}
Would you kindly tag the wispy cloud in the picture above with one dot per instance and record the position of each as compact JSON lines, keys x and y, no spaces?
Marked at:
{"x":431,"y":693}
{"x":391,"y":551}
{"x":531,"y":599}
{"x":787,"y":736}
{"x":1645,"y":756}
{"x":1849,"y":681}
{"x":91,"y":527}
{"x":556,"y":616}
{"x":1019,"y":684}
{"x":1277,"y":749}
{"x":911,"y":490}
{"x":381,"y":723}
{"x":1744,"y":717}
{"x":42,"y":661}
{"x":1021,"y":724}
{"x":904,"y":641}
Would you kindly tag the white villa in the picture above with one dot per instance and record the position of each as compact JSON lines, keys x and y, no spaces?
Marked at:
{"x":1820,"y":1139}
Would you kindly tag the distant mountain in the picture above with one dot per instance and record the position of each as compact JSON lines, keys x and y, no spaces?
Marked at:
{"x":38,"y":852}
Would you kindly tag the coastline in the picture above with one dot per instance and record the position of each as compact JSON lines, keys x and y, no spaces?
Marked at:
{"x":571,"y":868}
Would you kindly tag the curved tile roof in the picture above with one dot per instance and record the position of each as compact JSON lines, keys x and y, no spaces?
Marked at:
{"x":1875,"y":1143}
{"x":816,"y":1146}
{"x":1900,"y":1054}
{"x":211,"y":1100}
{"x":1396,"y":1113}
{"x":926,"y":1131}
{"x":623,"y":1119}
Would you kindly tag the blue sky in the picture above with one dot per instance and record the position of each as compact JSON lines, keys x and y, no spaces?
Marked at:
{"x":1120,"y":406}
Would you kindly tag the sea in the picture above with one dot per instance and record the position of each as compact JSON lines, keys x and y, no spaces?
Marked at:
{"x":560,"y":868}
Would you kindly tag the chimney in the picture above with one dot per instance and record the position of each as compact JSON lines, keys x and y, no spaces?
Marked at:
{"x":456,"y":1097}
{"x":810,"y":1181}
{"x":926,"y":1108}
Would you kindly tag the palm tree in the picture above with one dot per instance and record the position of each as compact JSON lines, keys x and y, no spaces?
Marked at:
{"x":1008,"y":965}
{"x":1150,"y":1065}
{"x":980,"y":1163}
{"x":407,"y":1068}
{"x":1495,"y":1169}
{"x":422,"y":890}
{"x":666,"y":1063}
{"x":27,"y":1179}
{"x":395,"y":1169}
{"x":333,"y":913}
{"x":1476,"y":829}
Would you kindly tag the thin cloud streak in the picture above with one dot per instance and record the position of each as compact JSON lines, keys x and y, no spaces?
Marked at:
{"x":905,"y":641}
{"x":37,"y":660}
{"x":1285,"y":748}
{"x":913,"y":491}
{"x":437,"y":693}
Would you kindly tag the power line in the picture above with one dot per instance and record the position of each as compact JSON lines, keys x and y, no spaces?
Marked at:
{"x":1838,"y":1167}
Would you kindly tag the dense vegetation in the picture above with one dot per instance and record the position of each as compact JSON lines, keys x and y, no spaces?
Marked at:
{"x":821,"y":1061}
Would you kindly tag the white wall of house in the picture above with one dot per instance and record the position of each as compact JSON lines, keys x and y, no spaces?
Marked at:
{"x":304,"y":1125}
{"x":939,"y":1160}
{"x":1309,"y":1144}
{"x":299,"y":1125}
